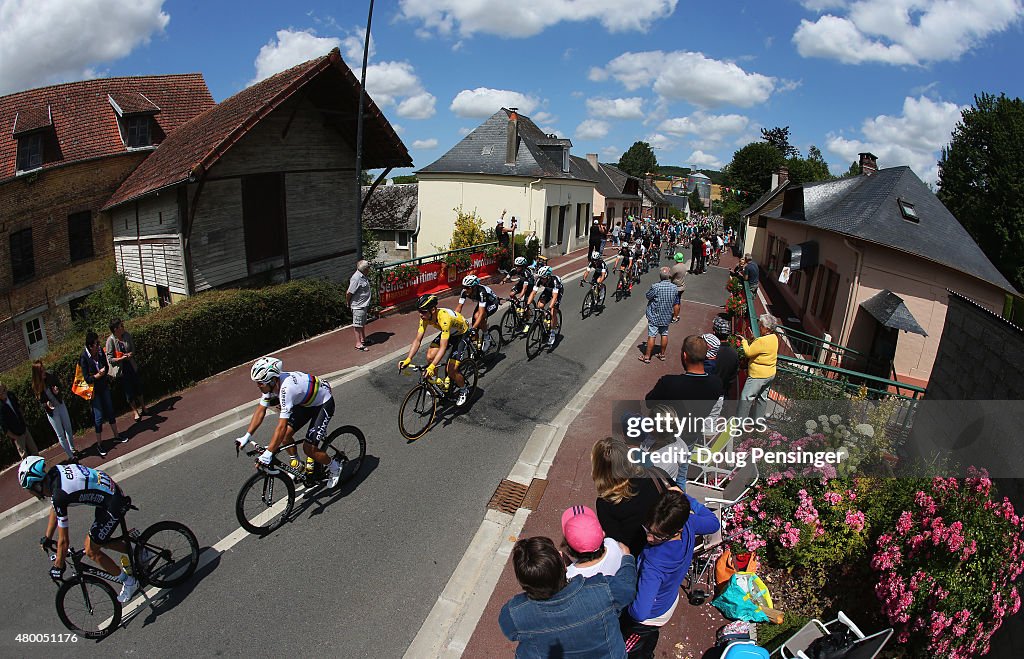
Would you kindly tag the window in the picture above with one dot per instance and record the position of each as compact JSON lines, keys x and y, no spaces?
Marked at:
{"x":401,"y":240}
{"x":163,"y":295}
{"x":23,"y":264}
{"x":77,"y":308}
{"x":830,"y":282}
{"x":908,"y":211}
{"x":30,"y":152}
{"x":80,"y":235}
{"x":137,"y":129}
{"x":565,"y":160}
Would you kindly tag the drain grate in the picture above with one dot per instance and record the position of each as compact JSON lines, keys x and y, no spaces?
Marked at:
{"x":511,"y":496}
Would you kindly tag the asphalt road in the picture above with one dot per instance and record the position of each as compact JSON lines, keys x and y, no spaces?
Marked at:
{"x":355,"y":573}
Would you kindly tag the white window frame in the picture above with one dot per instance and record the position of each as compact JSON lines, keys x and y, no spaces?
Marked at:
{"x":38,"y":347}
{"x":407,"y":245}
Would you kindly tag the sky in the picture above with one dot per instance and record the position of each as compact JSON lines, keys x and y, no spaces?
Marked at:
{"x":696,"y":80}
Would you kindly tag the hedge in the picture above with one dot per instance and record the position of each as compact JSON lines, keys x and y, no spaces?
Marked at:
{"x":181,"y":344}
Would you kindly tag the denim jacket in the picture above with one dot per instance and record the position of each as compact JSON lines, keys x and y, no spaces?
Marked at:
{"x":581,"y":620}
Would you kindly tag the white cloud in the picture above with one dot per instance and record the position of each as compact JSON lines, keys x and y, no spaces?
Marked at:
{"x":659,"y":142}
{"x":592,"y":129}
{"x":47,"y":42}
{"x":616,"y":108}
{"x":691,"y":77}
{"x":822,"y":5}
{"x":543,"y":118}
{"x":288,"y":48}
{"x":398,"y":128}
{"x":352,"y":47}
{"x":903,"y":31}
{"x":521,"y":19}
{"x":913,"y":138}
{"x":611,"y":152}
{"x":425,"y":144}
{"x":483,"y":102}
{"x":700,"y":159}
{"x":420,"y":106}
{"x":465,"y":131}
{"x":708,"y":126}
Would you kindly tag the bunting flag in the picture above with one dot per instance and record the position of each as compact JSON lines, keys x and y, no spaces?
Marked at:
{"x":745,"y":193}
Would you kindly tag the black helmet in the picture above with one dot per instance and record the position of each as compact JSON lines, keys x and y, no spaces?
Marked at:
{"x":426,"y":302}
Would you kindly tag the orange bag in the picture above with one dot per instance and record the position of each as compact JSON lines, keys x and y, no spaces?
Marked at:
{"x":729,"y":564}
{"x":80,"y":387}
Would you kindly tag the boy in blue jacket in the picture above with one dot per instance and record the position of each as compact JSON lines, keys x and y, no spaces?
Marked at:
{"x":671,"y":526}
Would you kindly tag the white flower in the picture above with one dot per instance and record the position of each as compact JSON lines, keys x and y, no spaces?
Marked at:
{"x":836,"y":419}
{"x":845,"y":433}
{"x":865,"y":429}
{"x":823,"y":418}
{"x":811,"y":425}
{"x":825,"y":428}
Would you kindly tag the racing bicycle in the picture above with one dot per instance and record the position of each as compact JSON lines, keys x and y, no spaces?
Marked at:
{"x":593,"y":301}
{"x":540,"y":332}
{"x":267,"y":498}
{"x":484,"y":356}
{"x":515,"y":318}
{"x":419,"y":408}
{"x":165,"y":555}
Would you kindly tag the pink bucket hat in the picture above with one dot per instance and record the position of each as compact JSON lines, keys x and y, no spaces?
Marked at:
{"x":581,"y":529}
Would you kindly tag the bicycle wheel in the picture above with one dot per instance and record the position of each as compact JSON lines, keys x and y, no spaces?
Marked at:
{"x":88,"y":606}
{"x":588,"y":304}
{"x":535,"y":340}
{"x":509,"y":325}
{"x":172,"y":554}
{"x":602,"y":294}
{"x":417,"y":411}
{"x":347,"y":445}
{"x":469,"y":371}
{"x":491,"y":353}
{"x":265,"y":502}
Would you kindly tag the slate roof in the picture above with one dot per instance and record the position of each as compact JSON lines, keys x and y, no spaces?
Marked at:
{"x":866,"y":207}
{"x":609,"y":180}
{"x":483,"y":152}
{"x":762,"y":200}
{"x":199,"y":144}
{"x":889,"y":309}
{"x":84,"y":125}
{"x":653,"y":193}
{"x":392,"y":207}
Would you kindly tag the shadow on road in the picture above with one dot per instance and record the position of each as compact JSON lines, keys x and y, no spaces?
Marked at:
{"x":209,"y":560}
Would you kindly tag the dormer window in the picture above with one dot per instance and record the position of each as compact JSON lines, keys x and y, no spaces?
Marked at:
{"x":30,"y":152}
{"x":31,"y":127}
{"x":565,"y":160}
{"x":908,"y":211}
{"x":135,"y":114}
{"x":137,"y":131}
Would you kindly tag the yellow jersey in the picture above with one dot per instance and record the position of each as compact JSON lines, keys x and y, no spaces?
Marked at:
{"x":448,"y":321}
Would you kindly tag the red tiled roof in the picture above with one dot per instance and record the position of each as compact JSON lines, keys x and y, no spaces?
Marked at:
{"x":134,"y":103}
{"x":197,"y":145}
{"x":29,"y":119}
{"x":85,"y":124}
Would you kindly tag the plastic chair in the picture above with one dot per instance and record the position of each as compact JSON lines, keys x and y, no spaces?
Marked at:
{"x":866,"y":647}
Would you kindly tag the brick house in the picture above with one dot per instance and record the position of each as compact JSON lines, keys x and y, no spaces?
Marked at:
{"x":64,"y":150}
{"x":259,"y":189}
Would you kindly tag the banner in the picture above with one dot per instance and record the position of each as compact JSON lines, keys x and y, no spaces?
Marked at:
{"x":436,"y":277}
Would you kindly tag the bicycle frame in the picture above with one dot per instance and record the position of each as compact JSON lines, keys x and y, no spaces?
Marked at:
{"x":79,"y":567}
{"x":298,"y":472}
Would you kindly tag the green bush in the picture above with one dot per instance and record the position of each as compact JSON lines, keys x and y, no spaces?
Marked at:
{"x":181,"y":344}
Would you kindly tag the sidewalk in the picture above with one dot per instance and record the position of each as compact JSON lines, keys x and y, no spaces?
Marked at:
{"x":186,"y":410}
{"x":692,"y":629}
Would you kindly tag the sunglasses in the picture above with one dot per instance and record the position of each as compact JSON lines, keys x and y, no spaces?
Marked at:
{"x":655,"y":536}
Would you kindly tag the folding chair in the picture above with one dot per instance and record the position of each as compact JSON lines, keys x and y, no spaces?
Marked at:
{"x":865,"y":647}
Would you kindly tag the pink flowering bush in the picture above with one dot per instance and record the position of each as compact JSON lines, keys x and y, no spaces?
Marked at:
{"x":947,"y":570}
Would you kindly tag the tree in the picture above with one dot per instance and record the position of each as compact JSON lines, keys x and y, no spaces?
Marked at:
{"x":468,"y":231}
{"x":854,"y":170}
{"x":752,"y":167}
{"x":981,"y":180}
{"x":411,"y":178}
{"x":779,"y":138}
{"x":696,"y":205}
{"x":811,"y":168}
{"x":638,"y":160}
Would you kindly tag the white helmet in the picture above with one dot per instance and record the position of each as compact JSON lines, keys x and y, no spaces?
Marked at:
{"x":31,"y":471}
{"x":520,"y":261}
{"x":470,"y":281}
{"x":265,"y":369}
{"x":595,"y":255}
{"x":546,"y":271}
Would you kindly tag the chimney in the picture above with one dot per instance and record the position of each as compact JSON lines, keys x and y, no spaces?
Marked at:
{"x":592,"y":159}
{"x":783,"y":173}
{"x":868,"y":163}
{"x":650,"y":179}
{"x":511,"y":137}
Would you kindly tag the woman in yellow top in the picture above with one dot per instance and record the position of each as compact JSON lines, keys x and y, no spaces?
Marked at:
{"x":762,"y":353}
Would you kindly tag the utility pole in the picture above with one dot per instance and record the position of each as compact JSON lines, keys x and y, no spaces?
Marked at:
{"x":359,"y":140}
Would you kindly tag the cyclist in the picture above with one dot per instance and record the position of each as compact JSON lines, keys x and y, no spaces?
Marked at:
{"x":624,"y":256}
{"x":303,"y":399}
{"x":550,"y":287}
{"x":526,"y":280}
{"x":454,"y":331}
{"x":74,"y":484}
{"x":639,"y":253}
{"x":597,"y":267}
{"x":486,"y":304}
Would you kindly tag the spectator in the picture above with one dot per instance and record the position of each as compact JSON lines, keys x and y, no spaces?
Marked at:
{"x":13,"y":422}
{"x":672,"y":451}
{"x":751,"y":273}
{"x":762,"y":353}
{"x":604,"y":235}
{"x":558,"y":617}
{"x":120,"y":350}
{"x":628,"y":229}
{"x":595,"y":236}
{"x":728,"y":362}
{"x":679,"y":279}
{"x":710,"y":362}
{"x":501,"y":234}
{"x":591,"y":551}
{"x":624,"y":492}
{"x":94,"y":369}
{"x":661,"y":300}
{"x":696,"y":250}
{"x":44,"y":386}
{"x":358,"y":299}
{"x":532,"y":241}
{"x":617,"y":233}
{"x":670,"y":526}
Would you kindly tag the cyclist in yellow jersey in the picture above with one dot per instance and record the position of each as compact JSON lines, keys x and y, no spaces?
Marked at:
{"x":454,"y":331}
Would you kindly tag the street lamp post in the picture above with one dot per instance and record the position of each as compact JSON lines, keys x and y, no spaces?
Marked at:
{"x":359,"y":140}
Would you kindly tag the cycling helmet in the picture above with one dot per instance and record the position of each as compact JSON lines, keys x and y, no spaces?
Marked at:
{"x":595,"y":255}
{"x":426,"y":302}
{"x":470,"y":280}
{"x":520,"y":261}
{"x":679,"y":257}
{"x":265,"y":369}
{"x":31,"y":471}
{"x":546,"y":271}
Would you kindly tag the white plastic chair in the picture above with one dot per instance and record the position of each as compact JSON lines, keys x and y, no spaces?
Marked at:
{"x":866,"y":647}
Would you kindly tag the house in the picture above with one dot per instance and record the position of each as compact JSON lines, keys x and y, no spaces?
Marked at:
{"x":654,"y":205}
{"x":616,"y":193}
{"x":258,"y":189}
{"x":679,"y":202}
{"x":392,"y":213}
{"x":870,"y":260}
{"x":64,"y":150}
{"x":507,"y":163}
{"x":702,"y":184}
